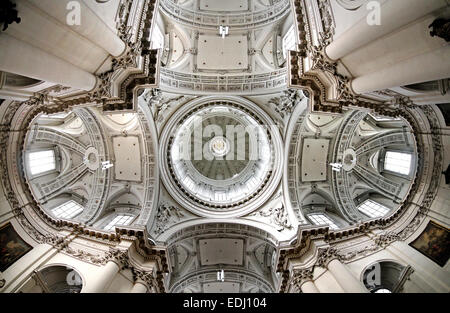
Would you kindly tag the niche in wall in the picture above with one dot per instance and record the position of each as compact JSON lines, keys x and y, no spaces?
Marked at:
{"x":54,"y":279}
{"x":434,"y":243}
{"x":386,"y":277}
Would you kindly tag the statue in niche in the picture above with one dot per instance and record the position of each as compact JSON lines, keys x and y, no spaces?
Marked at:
{"x":8,"y":14}
{"x":440,"y":28}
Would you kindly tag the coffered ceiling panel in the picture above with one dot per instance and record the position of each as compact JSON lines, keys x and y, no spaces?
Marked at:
{"x":220,"y":5}
{"x":314,"y":160}
{"x":221,"y":287}
{"x":217,"y":53}
{"x":221,"y":251}
{"x":127,"y":165}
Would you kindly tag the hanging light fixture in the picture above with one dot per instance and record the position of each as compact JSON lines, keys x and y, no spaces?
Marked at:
{"x":336,"y":167}
{"x":106,"y":165}
{"x":221,"y":275}
{"x":224,"y":31}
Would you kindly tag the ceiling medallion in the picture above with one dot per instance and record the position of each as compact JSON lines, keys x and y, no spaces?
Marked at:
{"x":219,"y":146}
{"x":222,"y":156}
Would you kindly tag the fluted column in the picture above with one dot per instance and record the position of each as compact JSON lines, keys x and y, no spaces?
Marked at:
{"x":24,"y":59}
{"x":91,"y":26}
{"x":394,"y":14}
{"x":103,"y":278}
{"x":430,"y":66}
{"x":139,"y":287}
{"x":345,"y":278}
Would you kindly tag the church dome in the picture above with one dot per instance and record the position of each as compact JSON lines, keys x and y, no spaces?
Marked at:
{"x":222,"y":154}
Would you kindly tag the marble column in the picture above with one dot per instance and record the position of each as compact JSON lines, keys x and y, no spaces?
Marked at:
{"x":102,"y":279}
{"x":91,"y":26}
{"x":309,"y":287}
{"x":139,"y":287}
{"x":345,"y":278}
{"x":394,"y":14}
{"x":21,"y":58}
{"x":426,"y":67}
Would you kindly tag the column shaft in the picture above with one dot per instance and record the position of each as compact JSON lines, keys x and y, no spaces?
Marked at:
{"x":102,"y":279}
{"x":309,"y":287}
{"x":22,"y":58}
{"x":394,"y":14}
{"x":422,"y":68}
{"x":345,"y":278}
{"x":139,"y":287}
{"x":91,"y":26}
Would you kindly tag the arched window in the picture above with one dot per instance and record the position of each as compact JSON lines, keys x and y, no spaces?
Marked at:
{"x":67,"y":210}
{"x":398,"y":162}
{"x":373,"y":209}
{"x":41,"y":161}
{"x":322,"y":219}
{"x":61,"y":115}
{"x":120,"y":219}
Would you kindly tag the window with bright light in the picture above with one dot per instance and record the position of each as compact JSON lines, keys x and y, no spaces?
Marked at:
{"x":373,"y":209}
{"x":119,"y":220}
{"x":322,"y":219}
{"x":67,"y":210}
{"x":381,"y":118}
{"x":382,"y":290}
{"x":289,"y":42}
{"x":157,"y":39}
{"x":41,"y":161}
{"x":62,"y":115}
{"x":398,"y":162}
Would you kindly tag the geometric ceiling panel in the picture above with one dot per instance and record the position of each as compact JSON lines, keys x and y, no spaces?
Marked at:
{"x":221,"y":251}
{"x":221,"y":287}
{"x":221,"y":5}
{"x":217,"y":53}
{"x":127,"y":165}
{"x":314,"y":159}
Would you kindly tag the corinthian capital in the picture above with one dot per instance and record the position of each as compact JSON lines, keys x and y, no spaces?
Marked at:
{"x":326,"y":255}
{"x":147,"y":276}
{"x":301,"y":276}
{"x":118,"y":256}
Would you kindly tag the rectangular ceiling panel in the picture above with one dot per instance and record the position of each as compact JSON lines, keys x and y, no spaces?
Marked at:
{"x":221,"y":251}
{"x":127,"y":164}
{"x":217,"y":53}
{"x":224,"y":5}
{"x":314,"y":159}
